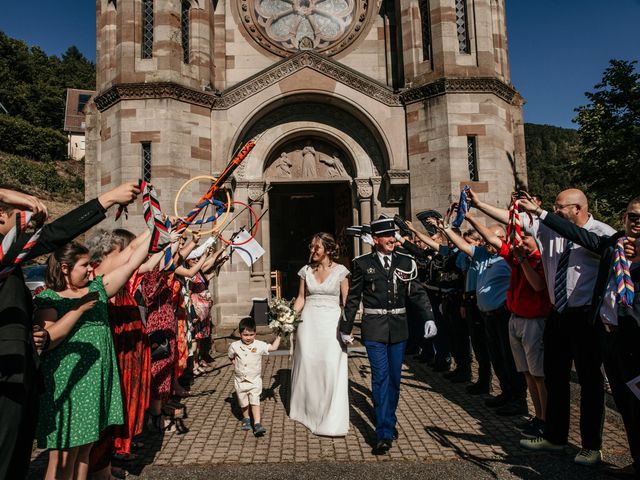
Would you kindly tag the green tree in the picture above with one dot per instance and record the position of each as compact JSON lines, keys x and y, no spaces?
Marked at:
{"x":609,"y":132}
{"x":551,"y":152}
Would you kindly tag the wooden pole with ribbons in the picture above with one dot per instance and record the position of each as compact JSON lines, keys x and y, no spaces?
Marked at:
{"x":223,"y":177}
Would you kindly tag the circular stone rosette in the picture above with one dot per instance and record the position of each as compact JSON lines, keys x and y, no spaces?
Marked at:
{"x":288,"y":26}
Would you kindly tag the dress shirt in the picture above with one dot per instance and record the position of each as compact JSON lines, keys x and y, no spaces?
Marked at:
{"x":583,"y":264}
{"x":382,"y":256}
{"x":248,"y":358}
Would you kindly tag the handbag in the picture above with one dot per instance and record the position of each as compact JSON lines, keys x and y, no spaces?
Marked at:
{"x":160,"y":347}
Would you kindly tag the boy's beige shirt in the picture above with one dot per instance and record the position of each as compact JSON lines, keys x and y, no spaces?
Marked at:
{"x":248,"y":358}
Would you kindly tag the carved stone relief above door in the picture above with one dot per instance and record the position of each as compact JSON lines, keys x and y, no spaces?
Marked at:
{"x":312,"y":159}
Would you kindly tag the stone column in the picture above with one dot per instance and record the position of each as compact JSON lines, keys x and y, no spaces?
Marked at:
{"x":365,"y":192}
{"x":376,"y":204}
{"x":259,"y":279}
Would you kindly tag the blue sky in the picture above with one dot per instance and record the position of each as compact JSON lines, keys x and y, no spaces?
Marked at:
{"x":558,"y":48}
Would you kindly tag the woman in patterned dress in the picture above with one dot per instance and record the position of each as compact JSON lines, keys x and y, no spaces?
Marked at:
{"x":82,"y":396}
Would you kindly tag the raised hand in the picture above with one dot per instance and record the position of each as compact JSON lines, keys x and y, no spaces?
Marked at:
{"x":23,"y":201}
{"x":121,"y":195}
{"x":430,"y":329}
{"x":529,"y":206}
{"x":632,"y":250}
{"x":472,"y":197}
{"x":410,"y":225}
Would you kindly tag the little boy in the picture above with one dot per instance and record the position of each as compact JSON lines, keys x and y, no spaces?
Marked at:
{"x":246,"y":355}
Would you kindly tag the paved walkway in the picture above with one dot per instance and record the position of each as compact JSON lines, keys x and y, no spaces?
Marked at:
{"x":438,"y":422}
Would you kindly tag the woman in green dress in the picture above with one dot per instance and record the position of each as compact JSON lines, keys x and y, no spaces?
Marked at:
{"x":82,"y":394}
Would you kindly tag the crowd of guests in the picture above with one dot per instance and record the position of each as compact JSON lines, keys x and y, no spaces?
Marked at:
{"x":552,"y":292}
{"x":113,"y":342}
{"x":119,"y":333}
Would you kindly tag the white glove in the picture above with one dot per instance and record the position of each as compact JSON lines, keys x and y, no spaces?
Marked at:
{"x":399,"y":237}
{"x":346,"y":338}
{"x":430,"y":329}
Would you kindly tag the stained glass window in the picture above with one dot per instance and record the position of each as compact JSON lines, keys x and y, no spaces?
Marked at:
{"x":462,"y":27}
{"x":472,"y":158}
{"x":147,"y":28}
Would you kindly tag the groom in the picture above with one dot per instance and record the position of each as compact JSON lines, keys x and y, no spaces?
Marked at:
{"x":385,"y":280}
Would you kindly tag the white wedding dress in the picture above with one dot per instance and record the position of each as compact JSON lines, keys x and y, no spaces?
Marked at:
{"x":319,"y":378}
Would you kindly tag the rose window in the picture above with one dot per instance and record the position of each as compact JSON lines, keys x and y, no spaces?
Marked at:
{"x":285,"y":26}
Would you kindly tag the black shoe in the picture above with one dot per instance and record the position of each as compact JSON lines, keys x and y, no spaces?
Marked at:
{"x":498,"y":400}
{"x":534,"y":429}
{"x":395,"y":433}
{"x":381,"y":447}
{"x":411,"y":351}
{"x":478,"y":388}
{"x":514,"y":407}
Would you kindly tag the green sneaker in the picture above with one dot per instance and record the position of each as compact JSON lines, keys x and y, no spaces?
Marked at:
{"x":588,"y":458}
{"x":540,"y":443}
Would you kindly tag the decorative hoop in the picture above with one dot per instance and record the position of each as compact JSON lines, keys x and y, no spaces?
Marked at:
{"x":255,"y":230}
{"x":216,"y":225}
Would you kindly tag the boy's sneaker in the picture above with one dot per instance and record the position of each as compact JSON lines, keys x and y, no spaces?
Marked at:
{"x":588,"y":457}
{"x":259,"y":430}
{"x":540,"y":443}
{"x":533,"y":429}
{"x":246,"y":424}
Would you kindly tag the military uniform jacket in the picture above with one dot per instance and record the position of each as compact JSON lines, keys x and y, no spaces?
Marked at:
{"x":377,"y":289}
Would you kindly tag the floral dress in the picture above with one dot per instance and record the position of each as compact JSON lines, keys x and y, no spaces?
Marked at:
{"x":157,"y":296}
{"x":201,"y":301}
{"x":81,"y":396}
{"x":134,"y":360}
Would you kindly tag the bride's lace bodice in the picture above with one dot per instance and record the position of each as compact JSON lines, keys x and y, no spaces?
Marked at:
{"x":329,"y":288}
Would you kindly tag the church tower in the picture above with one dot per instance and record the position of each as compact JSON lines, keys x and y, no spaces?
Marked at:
{"x":359,"y":107}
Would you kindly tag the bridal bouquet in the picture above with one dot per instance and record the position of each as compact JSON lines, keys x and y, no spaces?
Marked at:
{"x":283,"y":319}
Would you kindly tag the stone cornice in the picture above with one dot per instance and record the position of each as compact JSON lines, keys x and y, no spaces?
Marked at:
{"x":289,"y":66}
{"x":143,"y":91}
{"x":300,"y":61}
{"x":460,"y":85}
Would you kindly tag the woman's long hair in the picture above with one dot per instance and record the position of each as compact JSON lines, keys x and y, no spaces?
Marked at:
{"x":54,"y":277}
{"x":331,"y":248}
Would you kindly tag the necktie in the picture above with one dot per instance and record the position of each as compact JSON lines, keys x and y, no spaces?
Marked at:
{"x":386,"y":263}
{"x":560,"y":285}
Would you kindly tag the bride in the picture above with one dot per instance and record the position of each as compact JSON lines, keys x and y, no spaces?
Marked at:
{"x":319,"y":379}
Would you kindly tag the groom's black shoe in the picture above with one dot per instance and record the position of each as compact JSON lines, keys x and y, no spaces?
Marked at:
{"x":395,"y":433}
{"x":382,"y":447}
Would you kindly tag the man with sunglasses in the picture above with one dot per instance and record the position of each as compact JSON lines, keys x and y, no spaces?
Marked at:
{"x":615,"y":312}
{"x":569,"y":336}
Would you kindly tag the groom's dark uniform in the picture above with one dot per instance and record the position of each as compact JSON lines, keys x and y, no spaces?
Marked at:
{"x":384,"y":293}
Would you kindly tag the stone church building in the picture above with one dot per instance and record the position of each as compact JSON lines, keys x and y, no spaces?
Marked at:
{"x":359,"y":107}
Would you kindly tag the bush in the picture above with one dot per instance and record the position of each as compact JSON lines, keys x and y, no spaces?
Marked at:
{"x":29,"y":175}
{"x":20,"y":137}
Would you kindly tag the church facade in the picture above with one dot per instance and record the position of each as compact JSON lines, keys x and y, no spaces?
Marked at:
{"x":358,"y":107}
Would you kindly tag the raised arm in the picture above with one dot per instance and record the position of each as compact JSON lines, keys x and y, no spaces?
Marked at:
{"x":423,"y":236}
{"x":499,"y":214}
{"x":275,"y":344}
{"x":589,"y":240}
{"x":191,"y":271}
{"x":489,"y":236}
{"x":116,"y":279}
{"x":459,"y":242}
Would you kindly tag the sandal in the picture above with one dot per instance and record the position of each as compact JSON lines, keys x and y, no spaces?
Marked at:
{"x":156,"y":423}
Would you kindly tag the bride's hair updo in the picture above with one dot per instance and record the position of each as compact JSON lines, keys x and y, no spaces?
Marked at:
{"x":329,"y":243}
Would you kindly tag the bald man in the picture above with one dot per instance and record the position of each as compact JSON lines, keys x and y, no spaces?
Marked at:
{"x":569,"y":336}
